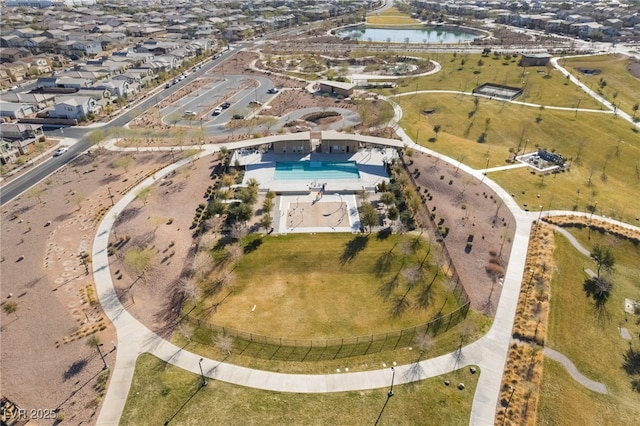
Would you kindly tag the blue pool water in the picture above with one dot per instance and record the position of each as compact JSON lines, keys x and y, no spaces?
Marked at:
{"x":305,"y":170}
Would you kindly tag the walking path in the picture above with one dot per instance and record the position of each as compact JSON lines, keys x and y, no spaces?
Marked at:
{"x":489,"y":352}
{"x":573,"y":371}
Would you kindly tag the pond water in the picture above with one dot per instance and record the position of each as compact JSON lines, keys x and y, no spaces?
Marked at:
{"x":431,"y":35}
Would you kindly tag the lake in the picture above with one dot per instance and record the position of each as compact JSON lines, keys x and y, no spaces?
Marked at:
{"x":431,"y":35}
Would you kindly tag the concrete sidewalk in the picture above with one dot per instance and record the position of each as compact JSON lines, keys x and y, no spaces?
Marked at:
{"x":489,"y":352}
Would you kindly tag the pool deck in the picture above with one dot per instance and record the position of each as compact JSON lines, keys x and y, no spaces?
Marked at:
{"x":261,"y":166}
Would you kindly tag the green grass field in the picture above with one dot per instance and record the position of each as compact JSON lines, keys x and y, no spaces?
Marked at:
{"x":622,"y":88}
{"x":596,"y":136}
{"x":328,"y":286}
{"x":162,"y":392}
{"x":391,"y":16}
{"x":590,"y":337}
{"x":463,"y":72}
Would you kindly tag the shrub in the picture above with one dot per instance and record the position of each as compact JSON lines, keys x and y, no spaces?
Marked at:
{"x":494,"y":270}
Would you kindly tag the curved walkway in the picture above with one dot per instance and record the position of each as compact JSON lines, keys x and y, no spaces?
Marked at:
{"x":489,"y":352}
{"x":573,"y":371}
{"x":613,"y":108}
{"x":528,"y":104}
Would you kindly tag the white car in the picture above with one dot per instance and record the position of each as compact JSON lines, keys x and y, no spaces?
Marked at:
{"x":60,"y":151}
{"x":217,"y":111}
{"x":190,"y":113}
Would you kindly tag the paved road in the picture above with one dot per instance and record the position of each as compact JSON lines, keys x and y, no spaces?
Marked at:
{"x":77,"y":135}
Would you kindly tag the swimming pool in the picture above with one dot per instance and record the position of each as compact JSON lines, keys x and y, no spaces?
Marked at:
{"x":305,"y":170}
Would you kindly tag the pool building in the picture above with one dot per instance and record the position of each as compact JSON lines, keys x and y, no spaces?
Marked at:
{"x":321,"y":171}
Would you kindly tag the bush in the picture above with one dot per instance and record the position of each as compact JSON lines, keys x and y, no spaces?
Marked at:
{"x":494,"y":270}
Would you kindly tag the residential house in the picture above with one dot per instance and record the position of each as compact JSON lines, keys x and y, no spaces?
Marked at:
{"x":237,"y":32}
{"x":11,"y":40}
{"x":116,"y":88}
{"x":5,"y":78}
{"x":12,"y":54}
{"x":26,"y":32}
{"x":172,"y":62}
{"x":38,"y":101}
{"x":16,"y":71}
{"x":111,"y":39}
{"x":22,"y":135}
{"x":36,"y":65}
{"x":8,"y":152}
{"x":56,"y":34}
{"x":86,"y":47}
{"x":76,"y":107}
{"x":14,"y":111}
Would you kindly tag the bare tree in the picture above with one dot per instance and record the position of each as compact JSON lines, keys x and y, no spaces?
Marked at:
{"x":224,"y":343}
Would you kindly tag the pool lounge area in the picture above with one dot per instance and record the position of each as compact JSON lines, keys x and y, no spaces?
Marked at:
{"x":335,"y":172}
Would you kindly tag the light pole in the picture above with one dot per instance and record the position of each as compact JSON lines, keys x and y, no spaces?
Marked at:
{"x":389,"y":395}
{"x":593,"y":210}
{"x":513,"y":389}
{"x":526,"y":293}
{"x":540,"y":214}
{"x":102,"y":357}
{"x":486,"y":167}
{"x":204,"y":380}
{"x":110,"y":196}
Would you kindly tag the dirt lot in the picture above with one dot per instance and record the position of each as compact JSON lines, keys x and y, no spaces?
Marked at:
{"x":46,"y":361}
{"x":470,"y":210}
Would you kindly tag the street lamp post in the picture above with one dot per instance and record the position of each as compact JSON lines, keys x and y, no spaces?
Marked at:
{"x":513,"y":389}
{"x":110,"y":196}
{"x":486,"y":167}
{"x":540,"y":214}
{"x":593,"y":210}
{"x":204,"y":380}
{"x":389,"y":395}
{"x":102,"y":357}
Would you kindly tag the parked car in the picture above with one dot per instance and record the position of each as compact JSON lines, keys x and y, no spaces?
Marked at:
{"x":166,"y":86}
{"x":273,"y":90}
{"x":60,"y":151}
{"x":217,"y":111}
{"x":225,"y":105}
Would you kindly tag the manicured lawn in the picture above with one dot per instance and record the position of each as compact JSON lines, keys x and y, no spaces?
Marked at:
{"x":622,"y":88}
{"x":327,"y":286}
{"x":162,"y":392}
{"x":596,"y":135}
{"x":590,"y":337}
{"x":541,"y":86}
{"x":391,"y":16}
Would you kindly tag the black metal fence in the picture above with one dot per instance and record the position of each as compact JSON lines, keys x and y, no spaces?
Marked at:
{"x":285,"y":349}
